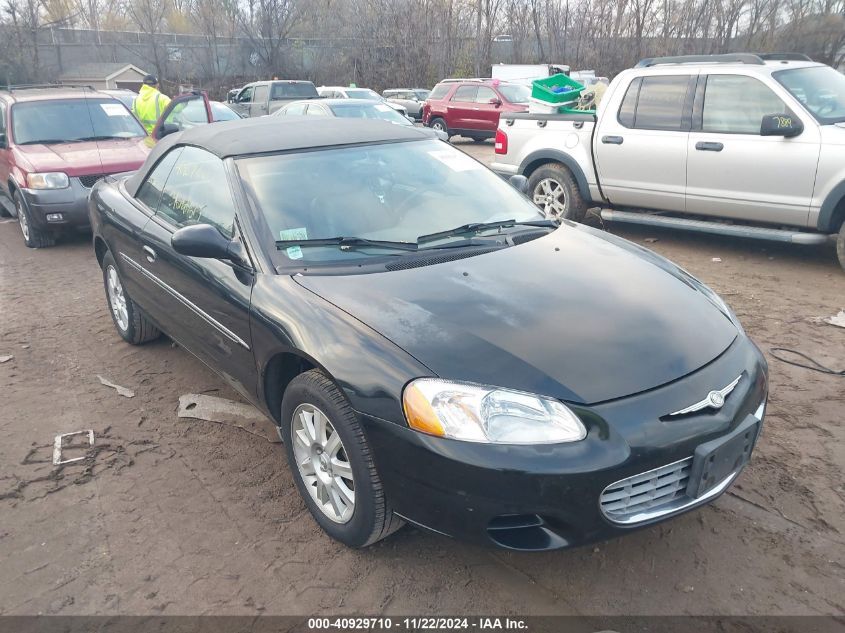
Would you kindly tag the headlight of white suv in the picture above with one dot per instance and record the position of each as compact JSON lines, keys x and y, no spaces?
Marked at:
{"x":479,"y":413}
{"x":48,"y":180}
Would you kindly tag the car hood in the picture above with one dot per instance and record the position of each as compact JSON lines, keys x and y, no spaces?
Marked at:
{"x":577,"y":315}
{"x":93,"y":157}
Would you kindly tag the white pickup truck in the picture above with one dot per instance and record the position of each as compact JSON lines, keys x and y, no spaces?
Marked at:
{"x":740,"y":144}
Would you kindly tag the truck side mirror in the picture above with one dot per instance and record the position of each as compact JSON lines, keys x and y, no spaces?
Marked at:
{"x":786,"y":125}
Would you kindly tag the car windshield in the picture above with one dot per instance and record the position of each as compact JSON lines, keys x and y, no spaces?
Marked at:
{"x":820,"y":89}
{"x":393,"y":192}
{"x":362,"y":93}
{"x":72,"y":120}
{"x":515,"y":93}
{"x":293,"y":91}
{"x":369,"y":111}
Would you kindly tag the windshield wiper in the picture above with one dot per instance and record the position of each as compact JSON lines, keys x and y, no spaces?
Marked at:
{"x":50,"y":141}
{"x":104,"y":137}
{"x":475,"y":227}
{"x":347,"y":243}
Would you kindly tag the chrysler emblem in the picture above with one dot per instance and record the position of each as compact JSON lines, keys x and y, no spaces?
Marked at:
{"x":714,"y":400}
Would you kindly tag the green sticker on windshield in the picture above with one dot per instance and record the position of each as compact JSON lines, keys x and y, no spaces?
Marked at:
{"x":286,"y":235}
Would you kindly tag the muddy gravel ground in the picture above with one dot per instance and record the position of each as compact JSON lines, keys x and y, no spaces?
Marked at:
{"x":177,"y":516}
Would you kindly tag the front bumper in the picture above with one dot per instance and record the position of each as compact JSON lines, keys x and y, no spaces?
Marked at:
{"x":539,"y":497}
{"x":59,"y":209}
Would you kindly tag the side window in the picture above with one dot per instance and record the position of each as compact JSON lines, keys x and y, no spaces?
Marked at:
{"x":660,"y":105}
{"x":629,"y":103}
{"x":197,"y":192}
{"x":485,"y":95}
{"x":260,"y":94}
{"x":315,"y":110}
{"x":150,"y":192}
{"x":2,"y":118}
{"x":246,"y":95}
{"x":734,"y":104}
{"x":295,"y":109}
{"x":465,"y":93}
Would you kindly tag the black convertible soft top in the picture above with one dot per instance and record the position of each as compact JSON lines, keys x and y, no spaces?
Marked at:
{"x":263,"y":135}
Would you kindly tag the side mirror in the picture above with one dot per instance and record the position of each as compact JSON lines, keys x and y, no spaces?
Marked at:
{"x":520,"y":183}
{"x":203,"y":240}
{"x":166,"y":129}
{"x":495,"y":102}
{"x":786,"y":125}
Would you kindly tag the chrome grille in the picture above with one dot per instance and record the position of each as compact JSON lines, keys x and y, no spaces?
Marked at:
{"x":647,"y":493}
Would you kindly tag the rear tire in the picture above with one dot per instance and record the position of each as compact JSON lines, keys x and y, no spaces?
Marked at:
{"x":552,"y":187}
{"x":33,"y":237}
{"x":840,"y":246}
{"x":324,"y":469}
{"x":133,"y":327}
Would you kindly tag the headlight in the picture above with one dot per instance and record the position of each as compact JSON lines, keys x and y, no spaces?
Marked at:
{"x":478,"y":413}
{"x":48,"y":180}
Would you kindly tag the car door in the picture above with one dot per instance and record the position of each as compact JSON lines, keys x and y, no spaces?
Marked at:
{"x":207,"y":300}
{"x":489,"y":106}
{"x":243,"y":101}
{"x":733,"y":171}
{"x":183,"y":112}
{"x":462,"y":110}
{"x":641,"y":149}
{"x":260,"y":101}
{"x":123,"y":230}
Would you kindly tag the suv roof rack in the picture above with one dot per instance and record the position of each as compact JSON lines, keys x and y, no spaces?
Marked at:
{"x":455,"y":80}
{"x":788,"y":57}
{"x":12,"y":88}
{"x":730,"y":58}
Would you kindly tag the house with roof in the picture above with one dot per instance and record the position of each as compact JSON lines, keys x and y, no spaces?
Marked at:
{"x":105,"y":76}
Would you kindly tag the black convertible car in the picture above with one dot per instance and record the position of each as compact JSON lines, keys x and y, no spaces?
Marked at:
{"x":431,"y":347}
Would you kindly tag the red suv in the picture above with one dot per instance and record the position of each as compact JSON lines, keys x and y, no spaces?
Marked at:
{"x":55,"y":143}
{"x":471,"y":107}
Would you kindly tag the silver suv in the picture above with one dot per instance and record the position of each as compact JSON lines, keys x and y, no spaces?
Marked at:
{"x":742,"y":144}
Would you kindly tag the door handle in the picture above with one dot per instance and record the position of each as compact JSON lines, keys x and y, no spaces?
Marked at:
{"x":703,"y":146}
{"x":150,"y":253}
{"x":612,"y":140}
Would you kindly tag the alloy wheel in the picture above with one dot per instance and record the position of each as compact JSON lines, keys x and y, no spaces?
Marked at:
{"x":551,"y":196}
{"x":24,"y":223}
{"x":438,"y":125}
{"x":117,"y":300}
{"x":323,"y":463}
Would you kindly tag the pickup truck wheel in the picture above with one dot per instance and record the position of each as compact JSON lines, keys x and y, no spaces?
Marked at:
{"x":554,"y":190}
{"x":440,"y":125}
{"x":332,"y":463}
{"x":33,"y":237}
{"x":840,"y":245}
{"x":132,"y":326}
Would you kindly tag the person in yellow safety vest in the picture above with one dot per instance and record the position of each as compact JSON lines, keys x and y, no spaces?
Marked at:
{"x":150,"y":103}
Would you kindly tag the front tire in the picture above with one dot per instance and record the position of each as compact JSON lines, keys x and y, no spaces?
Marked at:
{"x":332,"y":464}
{"x":553,"y":188}
{"x":133,"y":327}
{"x":33,"y":237}
{"x":840,"y":246}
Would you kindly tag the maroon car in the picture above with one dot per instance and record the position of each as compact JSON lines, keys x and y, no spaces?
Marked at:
{"x":55,"y":143}
{"x":471,"y":107}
